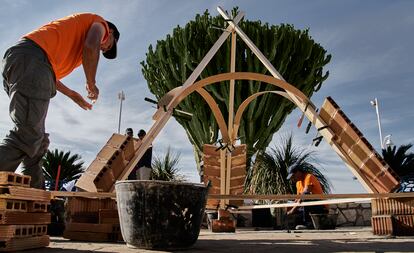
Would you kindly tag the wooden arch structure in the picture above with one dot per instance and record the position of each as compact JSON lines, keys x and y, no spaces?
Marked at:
{"x":326,"y":126}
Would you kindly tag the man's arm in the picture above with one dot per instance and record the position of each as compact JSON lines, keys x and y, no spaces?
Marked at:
{"x":76,"y":97}
{"x":90,"y":57}
{"x":306,"y":190}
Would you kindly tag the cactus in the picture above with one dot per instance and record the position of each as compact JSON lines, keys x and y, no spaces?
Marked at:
{"x":293,"y":52}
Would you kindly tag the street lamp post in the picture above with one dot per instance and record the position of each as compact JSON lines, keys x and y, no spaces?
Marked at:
{"x":121,"y":96}
{"x":375,"y":104}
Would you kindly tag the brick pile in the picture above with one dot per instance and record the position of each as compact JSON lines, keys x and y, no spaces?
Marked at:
{"x":24,"y":214}
{"x":393,"y":216}
{"x":92,"y":219}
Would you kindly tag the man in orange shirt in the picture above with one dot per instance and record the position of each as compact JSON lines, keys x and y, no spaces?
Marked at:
{"x":32,"y":70}
{"x":306,"y":183}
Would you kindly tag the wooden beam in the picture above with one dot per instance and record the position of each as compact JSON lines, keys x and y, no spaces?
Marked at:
{"x":92,"y":195}
{"x":309,"y":203}
{"x":310,"y":112}
{"x":315,"y":196}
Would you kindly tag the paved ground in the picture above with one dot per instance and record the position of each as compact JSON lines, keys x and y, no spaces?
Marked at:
{"x":248,"y":240}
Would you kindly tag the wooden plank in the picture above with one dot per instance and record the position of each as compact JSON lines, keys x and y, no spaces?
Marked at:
{"x":16,"y":244}
{"x":24,"y":193}
{"x":90,"y":195}
{"x":92,"y":227}
{"x":21,"y":231}
{"x":13,"y":205}
{"x":307,"y":203}
{"x":22,"y":218}
{"x":315,"y":196}
{"x":10,"y":178}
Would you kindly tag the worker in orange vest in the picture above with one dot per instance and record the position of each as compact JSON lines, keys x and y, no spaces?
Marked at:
{"x":32,"y":70}
{"x":306,"y":183}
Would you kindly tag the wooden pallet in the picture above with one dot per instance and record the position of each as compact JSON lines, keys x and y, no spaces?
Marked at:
{"x":15,"y":244}
{"x":21,"y":231}
{"x":10,"y":178}
{"x":22,"y":218}
{"x":23,"y":193}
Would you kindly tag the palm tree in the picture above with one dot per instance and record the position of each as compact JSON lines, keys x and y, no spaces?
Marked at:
{"x":268,"y":175}
{"x":166,"y":168}
{"x":71,"y":167}
{"x":399,"y":160}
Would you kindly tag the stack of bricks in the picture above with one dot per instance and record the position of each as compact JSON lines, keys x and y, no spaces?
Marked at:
{"x":393,"y":216}
{"x":93,"y":220}
{"x":24,"y":215}
{"x":108,"y":166}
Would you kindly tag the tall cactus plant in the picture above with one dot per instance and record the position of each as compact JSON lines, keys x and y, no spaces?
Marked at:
{"x":293,"y":52}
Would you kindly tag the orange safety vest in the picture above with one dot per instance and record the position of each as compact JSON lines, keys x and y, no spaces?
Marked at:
{"x":63,"y":40}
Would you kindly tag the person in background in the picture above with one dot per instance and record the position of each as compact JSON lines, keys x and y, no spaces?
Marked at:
{"x":32,"y":71}
{"x":142,"y":170}
{"x":306,"y":183}
{"x":129,"y":132}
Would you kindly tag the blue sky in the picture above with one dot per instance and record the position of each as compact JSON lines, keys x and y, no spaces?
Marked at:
{"x":371,"y":43}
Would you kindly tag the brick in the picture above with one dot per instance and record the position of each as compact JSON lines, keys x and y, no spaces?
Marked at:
{"x":382,"y":225}
{"x":223,"y":226}
{"x":78,"y":204}
{"x":392,"y":206}
{"x":21,"y":231}
{"x":24,"y":193}
{"x":22,"y":218}
{"x":10,"y":178}
{"x":91,"y":236}
{"x":13,"y":205}
{"x":92,"y":227}
{"x":16,"y":244}
{"x":108,"y":216}
{"x":38,"y":206}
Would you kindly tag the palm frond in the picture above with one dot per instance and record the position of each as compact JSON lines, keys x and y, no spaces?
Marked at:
{"x":166,"y":168}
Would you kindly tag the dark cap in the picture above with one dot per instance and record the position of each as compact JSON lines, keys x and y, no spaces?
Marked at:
{"x":141,"y":133}
{"x":292,"y":169}
{"x":111,"y":53}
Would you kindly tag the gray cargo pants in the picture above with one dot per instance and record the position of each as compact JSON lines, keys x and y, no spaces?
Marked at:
{"x":29,"y":81}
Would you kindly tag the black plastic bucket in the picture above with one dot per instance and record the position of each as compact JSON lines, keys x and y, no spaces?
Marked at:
{"x":160,"y":214}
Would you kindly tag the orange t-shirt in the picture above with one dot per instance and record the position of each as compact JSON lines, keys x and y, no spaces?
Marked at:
{"x":309,"y":180}
{"x":63,"y":40}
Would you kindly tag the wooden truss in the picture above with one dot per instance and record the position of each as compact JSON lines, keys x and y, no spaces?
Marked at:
{"x":229,"y":131}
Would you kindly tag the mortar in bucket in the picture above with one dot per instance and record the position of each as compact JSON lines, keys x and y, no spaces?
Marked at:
{"x":160,"y":214}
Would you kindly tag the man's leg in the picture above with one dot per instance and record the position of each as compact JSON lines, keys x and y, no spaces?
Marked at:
{"x":33,"y":165}
{"x":25,"y":140}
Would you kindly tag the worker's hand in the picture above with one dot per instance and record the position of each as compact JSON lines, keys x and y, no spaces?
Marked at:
{"x":290,"y":212}
{"x":93,"y":92}
{"x":77,"y":98}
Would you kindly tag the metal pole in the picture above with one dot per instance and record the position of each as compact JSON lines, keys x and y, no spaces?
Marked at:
{"x":121,"y":96}
{"x":375,"y":103}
